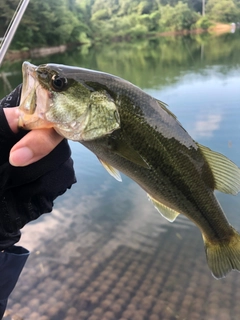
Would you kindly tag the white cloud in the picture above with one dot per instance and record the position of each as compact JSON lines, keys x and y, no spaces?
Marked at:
{"x":206,"y":125}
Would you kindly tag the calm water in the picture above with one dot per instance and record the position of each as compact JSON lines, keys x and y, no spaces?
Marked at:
{"x":105,"y":252}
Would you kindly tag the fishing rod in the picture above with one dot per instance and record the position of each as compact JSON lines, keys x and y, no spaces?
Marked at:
{"x":13,"y":25}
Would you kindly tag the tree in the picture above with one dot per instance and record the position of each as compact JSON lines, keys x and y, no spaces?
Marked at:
{"x":7,"y":9}
{"x":55,"y":22}
{"x":179,"y":17}
{"x":47,"y":23}
{"x":224,"y":10}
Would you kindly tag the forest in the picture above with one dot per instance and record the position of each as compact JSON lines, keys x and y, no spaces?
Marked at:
{"x":56,"y":22}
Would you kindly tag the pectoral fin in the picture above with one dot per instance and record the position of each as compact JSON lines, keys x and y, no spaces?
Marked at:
{"x":165,"y":211}
{"x":226,"y":174}
{"x":129,"y":153}
{"x":111,"y":170}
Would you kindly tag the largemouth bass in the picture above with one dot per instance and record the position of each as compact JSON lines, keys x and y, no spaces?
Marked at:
{"x":130,"y":131}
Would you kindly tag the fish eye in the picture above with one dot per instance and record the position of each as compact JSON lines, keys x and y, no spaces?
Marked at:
{"x":58,"y":83}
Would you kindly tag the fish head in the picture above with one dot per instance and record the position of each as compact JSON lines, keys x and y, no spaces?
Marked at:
{"x":56,"y":96}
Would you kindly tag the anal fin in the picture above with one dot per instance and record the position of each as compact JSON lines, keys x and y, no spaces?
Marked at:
{"x":165,"y":211}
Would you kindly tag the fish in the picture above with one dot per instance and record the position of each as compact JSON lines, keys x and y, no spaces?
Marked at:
{"x":134,"y":133}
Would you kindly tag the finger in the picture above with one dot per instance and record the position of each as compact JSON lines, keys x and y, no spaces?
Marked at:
{"x":12,"y":115}
{"x":34,"y":146}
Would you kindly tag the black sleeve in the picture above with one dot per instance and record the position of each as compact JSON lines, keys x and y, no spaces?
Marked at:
{"x":12,"y":262}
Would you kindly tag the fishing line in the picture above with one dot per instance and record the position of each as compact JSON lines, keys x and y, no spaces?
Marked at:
{"x":11,"y":22}
{"x":12,"y":27}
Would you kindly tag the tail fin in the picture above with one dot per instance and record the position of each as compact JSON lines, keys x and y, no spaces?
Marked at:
{"x":224,"y":256}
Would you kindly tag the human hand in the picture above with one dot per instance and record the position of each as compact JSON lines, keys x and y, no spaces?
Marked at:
{"x":28,"y":187}
{"x":34,"y":145}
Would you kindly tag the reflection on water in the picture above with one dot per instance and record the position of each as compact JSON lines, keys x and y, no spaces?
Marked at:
{"x":105,"y":252}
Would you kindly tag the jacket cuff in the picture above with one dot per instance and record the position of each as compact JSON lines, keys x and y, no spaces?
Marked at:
{"x":12,"y":261}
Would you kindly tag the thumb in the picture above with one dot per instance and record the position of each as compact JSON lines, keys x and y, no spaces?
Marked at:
{"x":34,"y":146}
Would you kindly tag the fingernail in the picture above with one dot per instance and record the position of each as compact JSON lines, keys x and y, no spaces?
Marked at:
{"x":21,"y":157}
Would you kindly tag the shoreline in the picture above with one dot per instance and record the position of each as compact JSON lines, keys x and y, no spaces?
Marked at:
{"x":34,"y":53}
{"x":12,"y":55}
{"x":216,"y":29}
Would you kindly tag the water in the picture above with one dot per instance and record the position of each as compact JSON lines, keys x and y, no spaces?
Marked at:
{"x":105,"y":252}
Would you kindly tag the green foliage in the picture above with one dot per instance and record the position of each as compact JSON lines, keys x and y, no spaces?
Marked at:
{"x":195,"y":5}
{"x":224,"y":10}
{"x":45,"y":23}
{"x":180,"y":17}
{"x":203,"y":23}
{"x":137,"y":31}
{"x":56,"y":22}
{"x":7,"y":9}
{"x":101,"y":15}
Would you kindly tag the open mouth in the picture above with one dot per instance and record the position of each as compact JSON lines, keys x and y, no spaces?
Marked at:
{"x":34,"y":101}
{"x":28,"y":97}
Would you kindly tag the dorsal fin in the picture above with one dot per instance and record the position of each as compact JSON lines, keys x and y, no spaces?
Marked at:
{"x":111,"y":170}
{"x":226,"y":173}
{"x":165,"y":211}
{"x":164,"y":106}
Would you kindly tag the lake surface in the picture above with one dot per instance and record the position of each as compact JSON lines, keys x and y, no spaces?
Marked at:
{"x":105,"y":252}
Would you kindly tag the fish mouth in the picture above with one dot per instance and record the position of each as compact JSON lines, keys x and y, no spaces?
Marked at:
{"x":28,"y":97}
{"x":27,"y":102}
{"x":32,"y":109}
